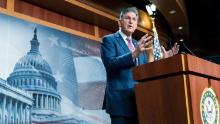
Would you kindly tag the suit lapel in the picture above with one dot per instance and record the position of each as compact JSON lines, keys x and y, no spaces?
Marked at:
{"x":121,"y":42}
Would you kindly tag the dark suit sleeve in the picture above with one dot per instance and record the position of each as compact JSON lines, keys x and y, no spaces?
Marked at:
{"x":112,"y":58}
{"x":145,"y":56}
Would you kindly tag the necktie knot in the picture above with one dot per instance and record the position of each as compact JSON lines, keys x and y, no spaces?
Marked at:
{"x":130,"y":44}
{"x":128,"y":39}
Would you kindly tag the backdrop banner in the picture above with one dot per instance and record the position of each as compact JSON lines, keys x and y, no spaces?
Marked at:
{"x":49,"y":75}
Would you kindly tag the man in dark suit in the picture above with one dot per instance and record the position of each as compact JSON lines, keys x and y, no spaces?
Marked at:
{"x":119,"y":53}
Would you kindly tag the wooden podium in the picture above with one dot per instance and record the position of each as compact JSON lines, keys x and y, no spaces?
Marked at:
{"x":169,"y":90}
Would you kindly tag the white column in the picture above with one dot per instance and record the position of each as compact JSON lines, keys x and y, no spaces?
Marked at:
{"x":46,"y":102}
{"x":13,"y":111}
{"x":10,"y":111}
{"x":59,"y":106}
{"x":20,"y":114}
{"x":26,"y":114}
{"x":42,"y":101}
{"x":53,"y":102}
{"x":28,"y":109}
{"x":56,"y":104}
{"x":3,"y":109}
{"x":29,"y":115}
{"x":23,"y":112}
{"x":16,"y":111}
{"x":49,"y":102}
{"x":36,"y":100}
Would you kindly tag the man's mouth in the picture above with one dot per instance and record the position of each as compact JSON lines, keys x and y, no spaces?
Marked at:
{"x":130,"y":27}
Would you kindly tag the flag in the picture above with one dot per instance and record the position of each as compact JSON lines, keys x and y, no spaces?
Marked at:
{"x":157,"y":48}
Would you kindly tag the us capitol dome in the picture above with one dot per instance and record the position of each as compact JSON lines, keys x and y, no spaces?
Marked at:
{"x":33,"y":74}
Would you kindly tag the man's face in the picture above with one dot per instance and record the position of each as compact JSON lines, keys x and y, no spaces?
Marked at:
{"x":128,"y":23}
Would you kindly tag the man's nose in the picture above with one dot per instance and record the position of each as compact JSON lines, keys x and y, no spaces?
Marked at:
{"x":130,"y":21}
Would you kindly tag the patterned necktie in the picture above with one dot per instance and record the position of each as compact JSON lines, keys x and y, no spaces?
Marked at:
{"x":130,"y":44}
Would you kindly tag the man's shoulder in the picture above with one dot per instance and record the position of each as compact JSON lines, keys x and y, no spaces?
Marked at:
{"x":113,"y":35}
{"x":110,"y":37}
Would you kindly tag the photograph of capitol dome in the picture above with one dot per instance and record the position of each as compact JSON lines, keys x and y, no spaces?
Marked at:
{"x":49,"y":76}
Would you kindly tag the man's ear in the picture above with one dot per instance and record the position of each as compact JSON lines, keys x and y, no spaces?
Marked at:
{"x":119,"y":23}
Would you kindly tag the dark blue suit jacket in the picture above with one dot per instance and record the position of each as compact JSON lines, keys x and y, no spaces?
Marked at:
{"x":119,"y":97}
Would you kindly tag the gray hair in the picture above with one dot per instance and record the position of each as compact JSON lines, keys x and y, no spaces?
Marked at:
{"x":129,"y":9}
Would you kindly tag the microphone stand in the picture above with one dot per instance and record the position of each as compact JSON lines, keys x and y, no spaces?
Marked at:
{"x":184,"y":45}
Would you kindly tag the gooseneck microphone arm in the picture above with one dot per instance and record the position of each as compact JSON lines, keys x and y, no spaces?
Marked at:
{"x":184,"y":45}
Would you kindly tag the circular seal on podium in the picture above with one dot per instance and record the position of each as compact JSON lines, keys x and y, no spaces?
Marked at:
{"x":209,"y":107}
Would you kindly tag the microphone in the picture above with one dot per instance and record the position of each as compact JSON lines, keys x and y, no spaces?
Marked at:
{"x":184,"y":45}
